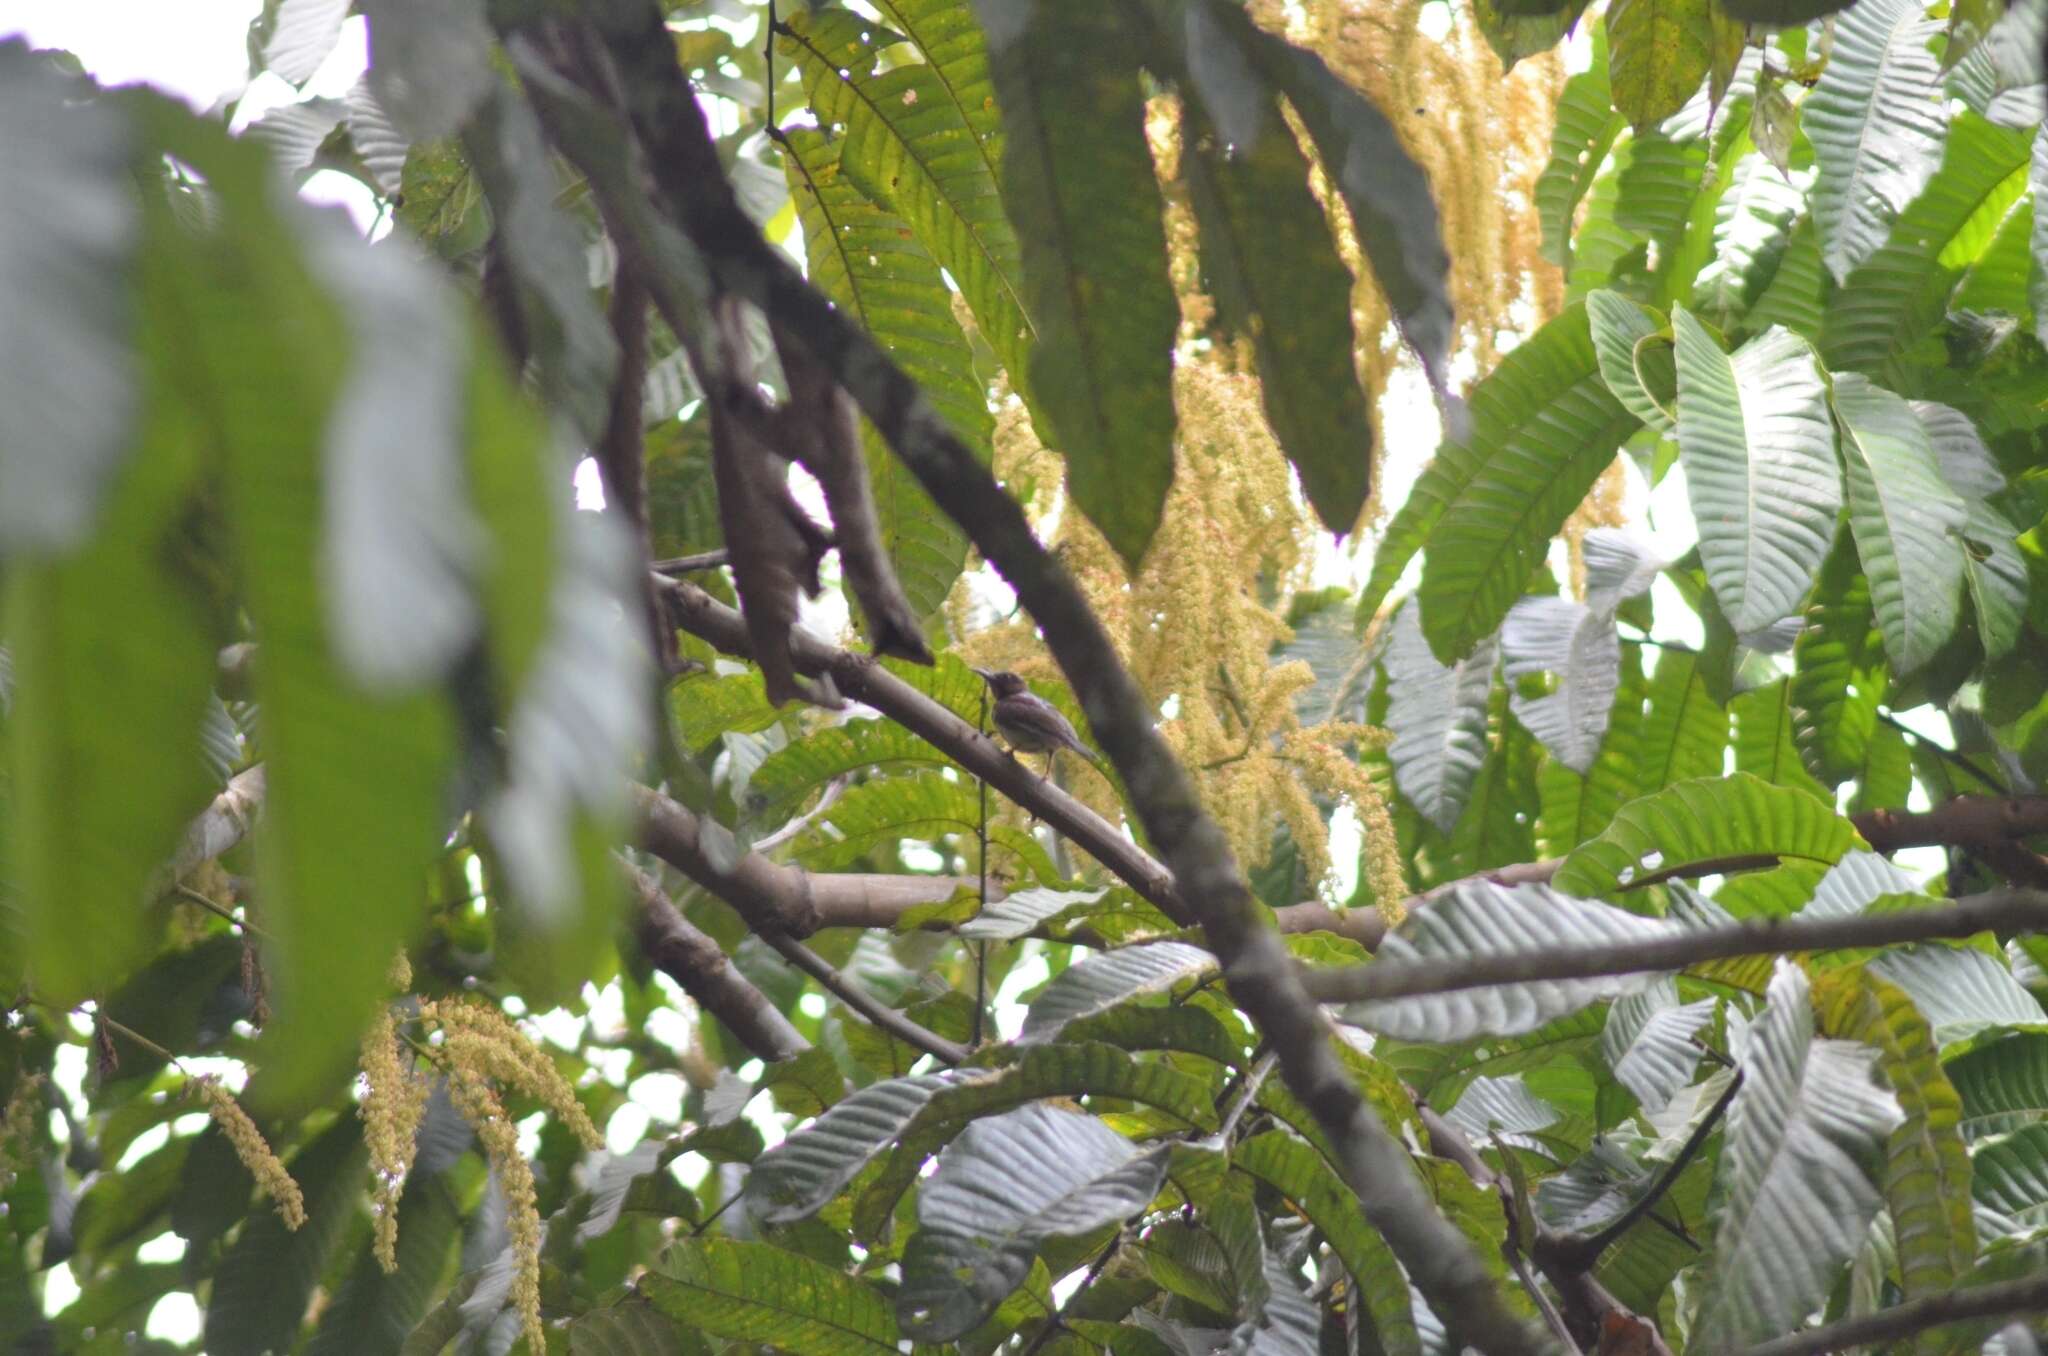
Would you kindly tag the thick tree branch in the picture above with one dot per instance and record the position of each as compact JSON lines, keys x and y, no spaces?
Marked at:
{"x":775,"y":898}
{"x":2001,"y":911}
{"x":1257,"y":968}
{"x":863,"y":1002}
{"x":2027,"y":1296}
{"x":698,"y":964}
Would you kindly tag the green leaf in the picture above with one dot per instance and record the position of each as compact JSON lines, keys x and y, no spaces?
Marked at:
{"x":1078,"y":180}
{"x":2003,"y":1084}
{"x":1805,"y":1133}
{"x":1573,"y":807}
{"x":2037,"y":290}
{"x":1904,"y":518}
{"x":868,"y":261}
{"x":1108,"y":978}
{"x":438,"y":198}
{"x":1898,"y":294}
{"x":1782,"y":13}
{"x":1758,"y":449}
{"x":1514,"y":34}
{"x":1438,"y":718}
{"x":754,"y":1292}
{"x":99,"y":803}
{"x":1754,"y":218}
{"x":263,"y":1284}
{"x":1766,"y":744}
{"x":1562,"y":664}
{"x":924,"y":806}
{"x":1928,"y":1175}
{"x":1649,"y":1042}
{"x":1875,"y":120}
{"x":1543,"y":429}
{"x":1585,"y":130}
{"x":1799,"y":291}
{"x":797,"y":1177}
{"x":632,"y":1327}
{"x":1839,"y":675}
{"x":1268,"y":255}
{"x":1626,"y":338}
{"x":297,"y":36}
{"x":1684,"y":730}
{"x":1662,"y":49}
{"x":354,"y":811}
{"x":791,"y":773}
{"x":1961,"y":991}
{"x":67,"y":374}
{"x":911,"y":148}
{"x":1712,"y":819}
{"x":2010,"y":1174}
{"x":373,"y":1312}
{"x":1001,"y":1189}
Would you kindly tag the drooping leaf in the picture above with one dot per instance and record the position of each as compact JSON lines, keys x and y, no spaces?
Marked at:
{"x":1684,"y":730}
{"x":756,"y":1292}
{"x":1875,"y":120}
{"x":1094,"y":256}
{"x":1570,"y":655}
{"x":1007,"y":1184}
{"x":1661,"y":51}
{"x":1961,"y":991}
{"x":1904,"y":518}
{"x":867,"y":260}
{"x":1100,"y":981}
{"x":1295,"y":1170}
{"x":1438,"y":719}
{"x":1897,"y":293}
{"x":1268,"y":254}
{"x":1806,"y":1134}
{"x":373,"y":1312}
{"x":1586,"y":128}
{"x":297,"y":36}
{"x":1574,"y":807}
{"x":67,"y":374}
{"x":1839,"y":676}
{"x":797,"y":1177}
{"x":1758,"y":449}
{"x":1626,"y":335}
{"x":263,"y":1284}
{"x":1754,"y":218}
{"x":1648,"y":1042}
{"x":1544,"y":427}
{"x":1712,"y":819}
{"x":1928,"y":1173}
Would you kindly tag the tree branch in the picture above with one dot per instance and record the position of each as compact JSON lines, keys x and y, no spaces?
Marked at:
{"x":863,"y":1002}
{"x":773,"y":897}
{"x":2002,"y":911}
{"x":2028,"y":1295}
{"x":697,"y":963}
{"x":1260,"y":974}
{"x":861,"y":678}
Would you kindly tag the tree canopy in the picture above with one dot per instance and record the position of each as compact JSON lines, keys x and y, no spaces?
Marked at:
{"x":437,"y":916}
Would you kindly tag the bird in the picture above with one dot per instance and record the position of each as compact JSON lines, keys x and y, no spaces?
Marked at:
{"x":1030,"y":723}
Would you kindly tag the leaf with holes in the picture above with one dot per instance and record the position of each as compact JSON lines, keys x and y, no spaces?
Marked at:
{"x":1702,"y":823}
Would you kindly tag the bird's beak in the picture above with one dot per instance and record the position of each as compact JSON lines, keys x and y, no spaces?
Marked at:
{"x":985,"y":675}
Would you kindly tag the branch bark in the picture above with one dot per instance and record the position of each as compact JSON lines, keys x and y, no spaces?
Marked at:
{"x":2001,"y":911}
{"x":697,"y":963}
{"x":2028,"y":1295}
{"x":776,"y":898}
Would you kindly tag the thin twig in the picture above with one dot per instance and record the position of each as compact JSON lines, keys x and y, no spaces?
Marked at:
{"x":1536,"y":1292}
{"x":981,"y":881}
{"x":193,"y":896}
{"x":1583,"y":1253}
{"x":863,"y":1002}
{"x":696,"y":564}
{"x":1942,"y":751}
{"x":1058,"y":1321}
{"x":1247,"y":1093}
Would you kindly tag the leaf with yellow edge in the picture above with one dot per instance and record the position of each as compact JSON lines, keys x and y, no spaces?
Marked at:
{"x":1927,"y":1165}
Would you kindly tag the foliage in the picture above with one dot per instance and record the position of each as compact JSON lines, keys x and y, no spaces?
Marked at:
{"x":425,"y":931}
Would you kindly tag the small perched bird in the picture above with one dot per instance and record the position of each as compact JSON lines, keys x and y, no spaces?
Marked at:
{"x":1030,"y":723}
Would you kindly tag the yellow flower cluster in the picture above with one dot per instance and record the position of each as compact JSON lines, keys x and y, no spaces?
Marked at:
{"x":480,"y":1051}
{"x":252,"y":1149}
{"x":1320,"y":752}
{"x":394,"y":1101}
